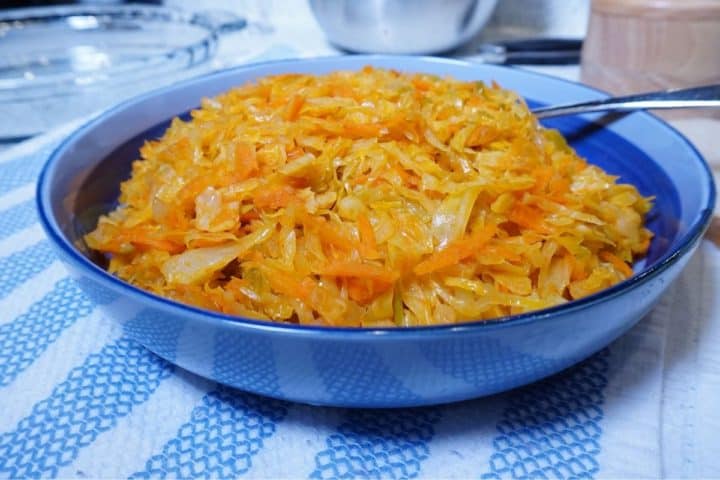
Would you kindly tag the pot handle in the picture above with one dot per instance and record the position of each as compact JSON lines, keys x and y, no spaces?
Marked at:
{"x":220,"y":21}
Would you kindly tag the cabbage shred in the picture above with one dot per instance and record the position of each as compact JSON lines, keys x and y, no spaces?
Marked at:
{"x":369,"y":198}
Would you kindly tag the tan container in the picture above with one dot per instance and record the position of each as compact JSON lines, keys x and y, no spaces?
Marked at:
{"x":644,"y":45}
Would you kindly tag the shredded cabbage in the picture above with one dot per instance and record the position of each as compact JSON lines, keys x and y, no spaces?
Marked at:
{"x":369,"y":198}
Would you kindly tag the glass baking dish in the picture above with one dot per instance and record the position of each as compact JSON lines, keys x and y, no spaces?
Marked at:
{"x":58,"y":63}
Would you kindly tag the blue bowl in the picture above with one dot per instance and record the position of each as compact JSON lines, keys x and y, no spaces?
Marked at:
{"x":380,"y":367}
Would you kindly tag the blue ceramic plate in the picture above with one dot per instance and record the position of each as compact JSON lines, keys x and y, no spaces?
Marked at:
{"x":381,"y":367}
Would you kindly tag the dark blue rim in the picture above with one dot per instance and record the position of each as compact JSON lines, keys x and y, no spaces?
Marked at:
{"x":687,"y":243}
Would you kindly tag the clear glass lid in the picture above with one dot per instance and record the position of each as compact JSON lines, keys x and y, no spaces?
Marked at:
{"x":51,"y":51}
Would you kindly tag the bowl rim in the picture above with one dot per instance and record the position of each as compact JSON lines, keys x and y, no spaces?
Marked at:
{"x":79,"y":261}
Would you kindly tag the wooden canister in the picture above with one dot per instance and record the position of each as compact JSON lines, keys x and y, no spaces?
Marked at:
{"x":644,"y":45}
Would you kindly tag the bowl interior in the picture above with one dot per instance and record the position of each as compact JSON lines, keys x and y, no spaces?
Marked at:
{"x":81,"y":180}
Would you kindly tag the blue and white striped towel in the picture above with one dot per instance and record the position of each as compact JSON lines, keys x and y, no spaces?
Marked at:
{"x":78,"y":399}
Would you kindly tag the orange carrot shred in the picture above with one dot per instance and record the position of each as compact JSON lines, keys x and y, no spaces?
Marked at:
{"x":364,"y":290}
{"x":350,"y":268}
{"x":368,"y":243}
{"x":420,"y":84}
{"x":246,"y":164}
{"x":456,"y":251}
{"x":273,"y":197}
{"x":528,"y":216}
{"x":361,"y":130}
{"x":294,"y":107}
{"x":617,"y":262}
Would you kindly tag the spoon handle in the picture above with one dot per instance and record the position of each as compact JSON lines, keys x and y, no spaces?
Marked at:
{"x":697,"y":97}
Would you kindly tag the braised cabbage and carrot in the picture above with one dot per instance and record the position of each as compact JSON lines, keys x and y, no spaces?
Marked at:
{"x":367,"y":199}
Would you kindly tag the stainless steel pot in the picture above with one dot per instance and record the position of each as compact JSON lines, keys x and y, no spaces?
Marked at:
{"x":401,"y":26}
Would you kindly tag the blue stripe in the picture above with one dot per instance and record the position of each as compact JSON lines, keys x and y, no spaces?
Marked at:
{"x":23,"y":170}
{"x":16,"y":218}
{"x":90,"y":401}
{"x":157,"y":331}
{"x":552,"y":429}
{"x":499,"y":361}
{"x":16,"y":268}
{"x":228,"y":427}
{"x":219,"y":441}
{"x":245,"y":362}
{"x":25,"y":338}
{"x":378,"y":444}
{"x":359,"y":372}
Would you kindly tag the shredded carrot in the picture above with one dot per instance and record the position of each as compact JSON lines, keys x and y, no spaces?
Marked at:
{"x":421,"y":84}
{"x":246,"y":164}
{"x":529,"y":217}
{"x":294,"y":107}
{"x":289,"y":286}
{"x":328,"y":235}
{"x":622,"y":267}
{"x":482,"y":135}
{"x":359,"y":270}
{"x":455,"y":252}
{"x":274,"y":197}
{"x":361,"y":130}
{"x":306,"y":287}
{"x":367,"y":237}
{"x":364,"y":290}
{"x":361,"y":179}
{"x":250,"y":215}
{"x":577,"y":269}
{"x":294,"y":153}
{"x":542,"y":175}
{"x":196,"y":186}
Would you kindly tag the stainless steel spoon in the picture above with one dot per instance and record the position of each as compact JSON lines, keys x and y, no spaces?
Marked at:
{"x":698,"y":97}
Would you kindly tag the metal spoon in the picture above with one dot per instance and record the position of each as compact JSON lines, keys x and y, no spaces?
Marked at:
{"x":698,"y":97}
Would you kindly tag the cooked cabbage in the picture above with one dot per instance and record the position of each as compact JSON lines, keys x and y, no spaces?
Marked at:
{"x":370,"y":198}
